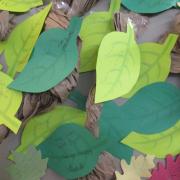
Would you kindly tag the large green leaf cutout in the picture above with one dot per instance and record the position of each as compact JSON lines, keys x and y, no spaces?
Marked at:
{"x":149,"y":6}
{"x":72,"y":151}
{"x":54,"y":58}
{"x":25,"y":35}
{"x":94,"y":28}
{"x":10,"y":101}
{"x":155,"y":63}
{"x":19,"y":5}
{"x":28,"y":165}
{"x":40,"y":127}
{"x":153,"y":109}
{"x":161,"y":144}
{"x":118,"y":65}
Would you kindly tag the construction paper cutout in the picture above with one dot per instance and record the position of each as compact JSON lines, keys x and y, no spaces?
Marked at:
{"x":168,"y":171}
{"x":19,"y":5}
{"x":72,"y":151}
{"x":159,"y":144}
{"x":78,"y":99}
{"x":25,"y":35}
{"x":138,"y":168}
{"x":118,"y":65}
{"x":28,"y":166}
{"x":54,"y":58}
{"x":155,"y":63}
{"x":2,"y":46}
{"x":41,"y":126}
{"x":9,"y":102}
{"x":141,"y":113}
{"x":146,"y":6}
{"x":153,"y":109}
{"x":94,"y":28}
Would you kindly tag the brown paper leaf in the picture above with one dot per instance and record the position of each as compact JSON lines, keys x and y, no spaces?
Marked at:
{"x":138,"y":168}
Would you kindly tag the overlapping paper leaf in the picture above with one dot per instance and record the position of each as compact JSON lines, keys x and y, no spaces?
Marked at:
{"x":118,"y":65}
{"x":28,"y":166}
{"x":139,"y":167}
{"x":147,"y":6}
{"x":72,"y":151}
{"x":149,"y":111}
{"x":54,"y":58}
{"x":171,"y":170}
{"x":22,"y":40}
{"x":19,"y":5}
{"x":155,"y":63}
{"x":159,"y":144}
{"x":9,"y":102}
{"x":153,"y":109}
{"x":40,"y":127}
{"x":94,"y":28}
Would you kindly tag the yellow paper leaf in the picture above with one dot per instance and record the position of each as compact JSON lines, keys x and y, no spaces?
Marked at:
{"x":138,"y":168}
{"x":118,"y":65}
{"x":10,"y":101}
{"x":19,"y":5}
{"x":22,"y":40}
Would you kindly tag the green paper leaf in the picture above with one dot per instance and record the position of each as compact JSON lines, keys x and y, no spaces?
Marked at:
{"x":28,"y":166}
{"x":54,"y":58}
{"x":153,"y":109}
{"x":25,"y":35}
{"x":40,"y":127}
{"x":78,"y":99}
{"x":19,"y":5}
{"x":9,"y":102}
{"x":72,"y":151}
{"x":118,"y":65}
{"x":159,"y":144}
{"x":149,"y":6}
{"x":2,"y":46}
{"x":155,"y":63}
{"x":94,"y":28}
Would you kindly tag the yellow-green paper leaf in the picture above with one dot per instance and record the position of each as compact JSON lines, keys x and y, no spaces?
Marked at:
{"x":10,"y":101}
{"x":118,"y":65}
{"x":161,"y":144}
{"x":19,"y":5}
{"x":94,"y":28}
{"x":40,"y":127}
{"x":22,"y":40}
{"x":155,"y":63}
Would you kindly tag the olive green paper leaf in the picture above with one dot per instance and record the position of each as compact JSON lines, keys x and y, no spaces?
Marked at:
{"x":10,"y":101}
{"x":139,"y":167}
{"x":118,"y":65}
{"x":28,"y":165}
{"x":160,"y":144}
{"x":25,"y":36}
{"x":19,"y":5}
{"x":155,"y":63}
{"x":94,"y":28}
{"x":40,"y":127}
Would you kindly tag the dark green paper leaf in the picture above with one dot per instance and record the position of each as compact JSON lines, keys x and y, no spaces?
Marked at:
{"x":149,"y":6}
{"x":72,"y":151}
{"x":153,"y":109}
{"x":28,"y":166}
{"x":54,"y":58}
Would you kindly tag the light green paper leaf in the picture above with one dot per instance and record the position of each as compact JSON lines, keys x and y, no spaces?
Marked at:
{"x":93,"y":29}
{"x":19,"y":5}
{"x":2,"y":46}
{"x":160,"y":144}
{"x":28,"y":166}
{"x":25,"y":36}
{"x":40,"y":127}
{"x":155,"y":63}
{"x":118,"y":65}
{"x":10,"y":101}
